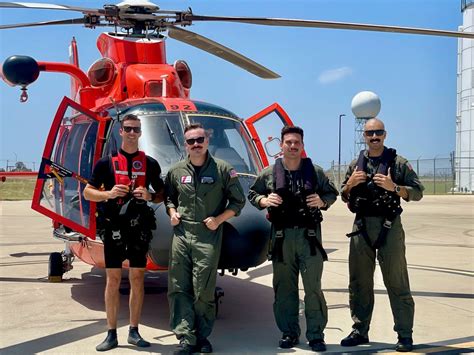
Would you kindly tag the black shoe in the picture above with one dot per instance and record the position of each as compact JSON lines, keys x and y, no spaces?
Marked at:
{"x":354,"y":339}
{"x":203,"y":346}
{"x":135,"y":338}
{"x":110,"y":341}
{"x":404,"y":345}
{"x":287,"y":341}
{"x":317,"y":345}
{"x":184,"y":348}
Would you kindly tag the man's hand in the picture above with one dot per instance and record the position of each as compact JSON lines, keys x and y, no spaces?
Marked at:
{"x":141,"y":193}
{"x":175,"y":219}
{"x":211,"y":223}
{"x":315,"y":201}
{"x":357,"y":177}
{"x":384,"y":181}
{"x":272,"y":200}
{"x":118,"y":190}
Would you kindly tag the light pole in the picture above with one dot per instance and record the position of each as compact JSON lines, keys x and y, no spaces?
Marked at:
{"x":339,"y":157}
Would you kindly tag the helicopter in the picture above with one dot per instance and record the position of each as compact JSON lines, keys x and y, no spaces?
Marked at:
{"x":132,"y":76}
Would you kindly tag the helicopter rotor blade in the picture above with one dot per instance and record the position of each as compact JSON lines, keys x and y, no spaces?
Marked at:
{"x":221,"y":51}
{"x":44,"y":6}
{"x":330,"y":24}
{"x":73,"y":21}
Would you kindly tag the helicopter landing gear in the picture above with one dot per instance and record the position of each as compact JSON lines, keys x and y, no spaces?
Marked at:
{"x":218,"y":294}
{"x":55,"y":267}
{"x":59,"y":263}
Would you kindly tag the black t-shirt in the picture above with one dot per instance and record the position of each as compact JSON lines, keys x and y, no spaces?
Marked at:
{"x":103,"y":173}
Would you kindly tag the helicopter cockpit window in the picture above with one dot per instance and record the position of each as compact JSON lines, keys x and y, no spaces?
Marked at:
{"x":228,"y":142}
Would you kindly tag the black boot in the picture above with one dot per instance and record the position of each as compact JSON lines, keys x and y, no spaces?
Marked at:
{"x":135,"y":338}
{"x":110,"y":342}
{"x":404,"y":345}
{"x":354,"y":339}
{"x":288,"y":341}
{"x":203,"y":346}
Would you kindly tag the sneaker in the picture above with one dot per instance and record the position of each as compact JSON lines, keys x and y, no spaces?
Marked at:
{"x":110,"y":342}
{"x":354,"y":339}
{"x":204,"y":346}
{"x":135,"y":338}
{"x":404,"y":345}
{"x":317,"y":345}
{"x":287,"y":341}
{"x":184,"y":348}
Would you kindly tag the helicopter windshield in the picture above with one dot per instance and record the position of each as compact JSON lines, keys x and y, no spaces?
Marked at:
{"x":228,"y":141}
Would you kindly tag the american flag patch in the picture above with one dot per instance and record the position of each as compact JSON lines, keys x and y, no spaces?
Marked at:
{"x":187,"y":179}
{"x":409,"y":166}
{"x":233,"y":173}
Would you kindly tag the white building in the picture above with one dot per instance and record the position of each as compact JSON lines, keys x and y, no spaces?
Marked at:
{"x":464,"y":156}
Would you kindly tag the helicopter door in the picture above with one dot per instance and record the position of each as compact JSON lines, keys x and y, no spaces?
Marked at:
{"x":70,"y":152}
{"x":268,"y":123}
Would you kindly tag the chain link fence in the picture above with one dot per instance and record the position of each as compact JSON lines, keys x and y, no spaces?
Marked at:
{"x":437,"y":174}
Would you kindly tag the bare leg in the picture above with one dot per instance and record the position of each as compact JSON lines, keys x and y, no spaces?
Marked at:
{"x":112,"y":296}
{"x":136,"y":277}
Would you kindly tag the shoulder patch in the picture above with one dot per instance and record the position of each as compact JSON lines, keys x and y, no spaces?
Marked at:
{"x":409,"y":166}
{"x":233,"y":173}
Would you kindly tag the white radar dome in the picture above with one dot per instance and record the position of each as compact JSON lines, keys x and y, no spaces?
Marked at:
{"x":366,"y":104}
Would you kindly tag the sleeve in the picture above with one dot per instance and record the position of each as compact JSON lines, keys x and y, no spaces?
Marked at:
{"x":234,"y":192}
{"x":326,"y":189}
{"x":100,"y":171}
{"x":410,"y":180}
{"x":171,"y":193}
{"x":349,"y":172}
{"x":259,"y":189}
{"x":154,"y":174}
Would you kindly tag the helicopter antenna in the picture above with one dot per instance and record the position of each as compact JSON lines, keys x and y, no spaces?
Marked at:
{"x":174,"y":139}
{"x":116,"y":107}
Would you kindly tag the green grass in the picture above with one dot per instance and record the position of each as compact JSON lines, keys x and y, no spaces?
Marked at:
{"x":17,"y":189}
{"x":442,"y":187}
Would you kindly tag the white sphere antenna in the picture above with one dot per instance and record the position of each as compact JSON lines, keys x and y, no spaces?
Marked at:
{"x":366,"y":104}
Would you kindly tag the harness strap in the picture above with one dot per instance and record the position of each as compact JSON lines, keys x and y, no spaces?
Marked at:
{"x":314,"y":243}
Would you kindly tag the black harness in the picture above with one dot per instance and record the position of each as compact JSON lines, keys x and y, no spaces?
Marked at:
{"x":368,"y":199}
{"x":294,"y":212}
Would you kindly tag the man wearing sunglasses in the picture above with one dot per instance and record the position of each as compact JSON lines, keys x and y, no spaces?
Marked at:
{"x":294,"y":191}
{"x":120,"y":184}
{"x":373,"y":186}
{"x":202,"y":192}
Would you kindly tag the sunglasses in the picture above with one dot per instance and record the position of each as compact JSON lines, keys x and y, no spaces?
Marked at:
{"x":377,"y":132}
{"x":128,"y":129}
{"x":191,"y":141}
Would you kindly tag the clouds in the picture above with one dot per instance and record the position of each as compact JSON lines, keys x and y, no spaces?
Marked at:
{"x":333,"y":75}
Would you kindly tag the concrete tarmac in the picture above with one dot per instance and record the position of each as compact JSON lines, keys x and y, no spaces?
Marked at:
{"x":68,"y":318}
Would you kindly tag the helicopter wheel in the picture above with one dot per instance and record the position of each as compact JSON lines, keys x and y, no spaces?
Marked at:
{"x":218,"y":294}
{"x":55,"y":267}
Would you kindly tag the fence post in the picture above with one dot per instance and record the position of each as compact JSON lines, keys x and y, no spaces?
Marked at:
{"x":434,"y":176}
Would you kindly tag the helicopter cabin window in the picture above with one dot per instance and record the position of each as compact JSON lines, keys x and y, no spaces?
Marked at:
{"x":226,"y":142}
{"x":73,"y":149}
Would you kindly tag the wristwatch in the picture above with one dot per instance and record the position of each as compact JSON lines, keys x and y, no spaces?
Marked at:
{"x":396,"y":189}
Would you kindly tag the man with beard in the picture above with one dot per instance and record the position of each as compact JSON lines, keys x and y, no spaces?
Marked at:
{"x":373,"y":186}
{"x":294,"y":190}
{"x":202,"y":193}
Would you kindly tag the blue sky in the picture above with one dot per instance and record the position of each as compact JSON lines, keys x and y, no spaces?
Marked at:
{"x":322,"y":70}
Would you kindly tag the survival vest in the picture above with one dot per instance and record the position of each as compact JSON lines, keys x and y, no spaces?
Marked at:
{"x":137,"y":176}
{"x":294,"y":212}
{"x":368,"y":199}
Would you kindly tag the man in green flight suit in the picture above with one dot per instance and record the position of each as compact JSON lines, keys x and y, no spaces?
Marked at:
{"x":202,"y":193}
{"x":294,"y":191}
{"x":373,"y":186}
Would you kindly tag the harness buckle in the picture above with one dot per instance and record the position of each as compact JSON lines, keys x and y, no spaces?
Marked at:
{"x":279,"y":234}
{"x":387,"y":224}
{"x":116,"y":235}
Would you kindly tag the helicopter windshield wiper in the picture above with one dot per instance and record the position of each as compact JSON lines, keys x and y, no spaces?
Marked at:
{"x":174,"y":139}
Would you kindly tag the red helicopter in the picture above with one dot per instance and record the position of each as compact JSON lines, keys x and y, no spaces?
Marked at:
{"x":133,"y":77}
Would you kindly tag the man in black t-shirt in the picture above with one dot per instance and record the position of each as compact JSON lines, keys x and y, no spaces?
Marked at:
{"x":120,"y":184}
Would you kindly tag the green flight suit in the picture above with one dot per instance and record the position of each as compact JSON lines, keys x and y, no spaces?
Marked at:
{"x":391,"y":258}
{"x":297,"y":259}
{"x":195,"y":249}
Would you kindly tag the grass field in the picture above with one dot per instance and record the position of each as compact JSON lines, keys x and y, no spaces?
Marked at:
{"x":17,"y":189}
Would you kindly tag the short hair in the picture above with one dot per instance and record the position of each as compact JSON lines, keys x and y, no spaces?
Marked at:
{"x":292,"y":129}
{"x":129,"y":117}
{"x":194,"y":125}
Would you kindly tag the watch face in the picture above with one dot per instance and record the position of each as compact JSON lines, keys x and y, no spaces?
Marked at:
{"x":397,"y":189}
